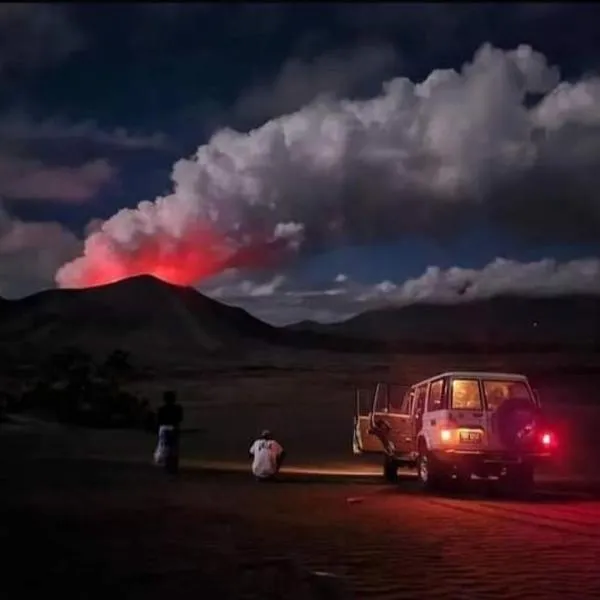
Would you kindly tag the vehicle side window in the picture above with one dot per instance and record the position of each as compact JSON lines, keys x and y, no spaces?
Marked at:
{"x":497,"y":392}
{"x":436,"y":396}
{"x":380,"y":403}
{"x":465,"y":394}
{"x":396,"y":400}
{"x":364,"y":402}
{"x":406,"y":406}
{"x":420,"y":394}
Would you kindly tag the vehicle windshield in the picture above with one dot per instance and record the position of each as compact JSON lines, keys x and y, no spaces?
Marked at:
{"x":497,"y":392}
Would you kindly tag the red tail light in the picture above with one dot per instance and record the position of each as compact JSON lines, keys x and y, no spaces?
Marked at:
{"x":547,"y":440}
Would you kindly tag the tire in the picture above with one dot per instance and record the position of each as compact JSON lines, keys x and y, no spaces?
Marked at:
{"x":519,"y":481}
{"x":512,"y":416}
{"x":431,"y":473}
{"x":390,"y":469}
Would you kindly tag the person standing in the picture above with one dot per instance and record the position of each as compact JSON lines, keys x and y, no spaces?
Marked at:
{"x":169,"y":417}
{"x":267,"y":456}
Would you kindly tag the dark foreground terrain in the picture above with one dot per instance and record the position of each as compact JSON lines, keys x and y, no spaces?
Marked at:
{"x":91,"y":529}
{"x":83,"y":513}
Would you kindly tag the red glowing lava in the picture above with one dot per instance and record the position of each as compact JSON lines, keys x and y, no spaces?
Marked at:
{"x":183,"y":261}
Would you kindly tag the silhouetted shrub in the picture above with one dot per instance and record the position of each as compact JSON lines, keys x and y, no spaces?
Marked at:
{"x":76,"y":390}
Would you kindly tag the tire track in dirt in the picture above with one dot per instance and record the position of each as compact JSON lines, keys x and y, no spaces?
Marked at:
{"x":584,"y":510}
{"x":424,"y":549}
{"x":540,"y":556}
{"x":563,"y":513}
{"x":515,"y":513}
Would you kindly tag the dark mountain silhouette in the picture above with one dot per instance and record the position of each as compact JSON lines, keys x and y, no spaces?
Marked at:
{"x":141,"y":315}
{"x":165,"y":325}
{"x":156,"y":322}
{"x":503,"y":322}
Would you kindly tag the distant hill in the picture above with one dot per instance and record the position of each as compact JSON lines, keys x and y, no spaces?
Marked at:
{"x":167,"y":325}
{"x":157,"y":323}
{"x":141,"y":315}
{"x":507,"y":321}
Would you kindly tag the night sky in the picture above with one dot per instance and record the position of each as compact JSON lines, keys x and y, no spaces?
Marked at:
{"x":310,"y":161}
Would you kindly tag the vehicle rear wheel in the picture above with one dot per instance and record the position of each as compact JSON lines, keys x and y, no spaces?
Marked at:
{"x":390,"y":469}
{"x":431,"y":473}
{"x":519,"y":480}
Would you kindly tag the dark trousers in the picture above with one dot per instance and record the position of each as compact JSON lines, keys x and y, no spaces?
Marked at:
{"x":172,"y":458}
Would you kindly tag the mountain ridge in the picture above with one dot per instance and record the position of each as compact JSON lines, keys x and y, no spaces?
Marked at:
{"x":161,"y":323}
{"x":505,"y":317}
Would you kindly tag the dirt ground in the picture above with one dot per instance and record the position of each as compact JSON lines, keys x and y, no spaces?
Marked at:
{"x":81,"y":518}
{"x":88,"y":529}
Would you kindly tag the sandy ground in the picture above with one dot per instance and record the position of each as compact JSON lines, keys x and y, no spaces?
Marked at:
{"x":85,"y":514}
{"x":86,"y":529}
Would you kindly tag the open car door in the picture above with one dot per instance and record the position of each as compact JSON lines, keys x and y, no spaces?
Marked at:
{"x":364,"y":440}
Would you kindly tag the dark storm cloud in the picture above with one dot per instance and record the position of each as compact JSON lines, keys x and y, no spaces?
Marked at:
{"x":30,"y":252}
{"x":34,"y":35}
{"x":31,"y":179}
{"x":19,"y":127}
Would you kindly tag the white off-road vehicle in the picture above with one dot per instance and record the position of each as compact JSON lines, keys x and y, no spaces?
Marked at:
{"x":455,"y":425}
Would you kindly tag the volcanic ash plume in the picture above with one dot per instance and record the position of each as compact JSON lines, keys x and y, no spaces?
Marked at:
{"x":181,"y":258}
{"x":356,"y":171}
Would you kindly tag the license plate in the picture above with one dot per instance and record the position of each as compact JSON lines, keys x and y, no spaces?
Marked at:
{"x":470,"y":437}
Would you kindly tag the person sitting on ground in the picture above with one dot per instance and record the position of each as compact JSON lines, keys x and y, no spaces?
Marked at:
{"x":169,"y":417}
{"x":267,"y":456}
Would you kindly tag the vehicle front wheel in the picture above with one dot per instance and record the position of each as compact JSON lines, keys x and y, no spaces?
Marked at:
{"x":390,"y":469}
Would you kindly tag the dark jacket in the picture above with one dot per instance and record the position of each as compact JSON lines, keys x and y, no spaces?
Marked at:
{"x":170,"y":414}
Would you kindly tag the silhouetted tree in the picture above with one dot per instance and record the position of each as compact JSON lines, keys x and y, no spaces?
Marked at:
{"x":65,"y":381}
{"x":116,"y":368}
{"x":70,"y":366}
{"x":78,"y":390}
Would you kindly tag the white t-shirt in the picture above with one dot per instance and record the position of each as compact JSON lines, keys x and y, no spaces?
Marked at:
{"x":265,"y":453}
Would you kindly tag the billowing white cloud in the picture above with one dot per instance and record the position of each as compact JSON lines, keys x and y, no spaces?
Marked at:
{"x":570,"y":103}
{"x":541,"y":278}
{"x":287,"y":302}
{"x":345,"y":171}
{"x":247,"y":287}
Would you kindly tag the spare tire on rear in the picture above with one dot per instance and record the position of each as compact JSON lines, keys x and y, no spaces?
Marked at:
{"x":517,"y":421}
